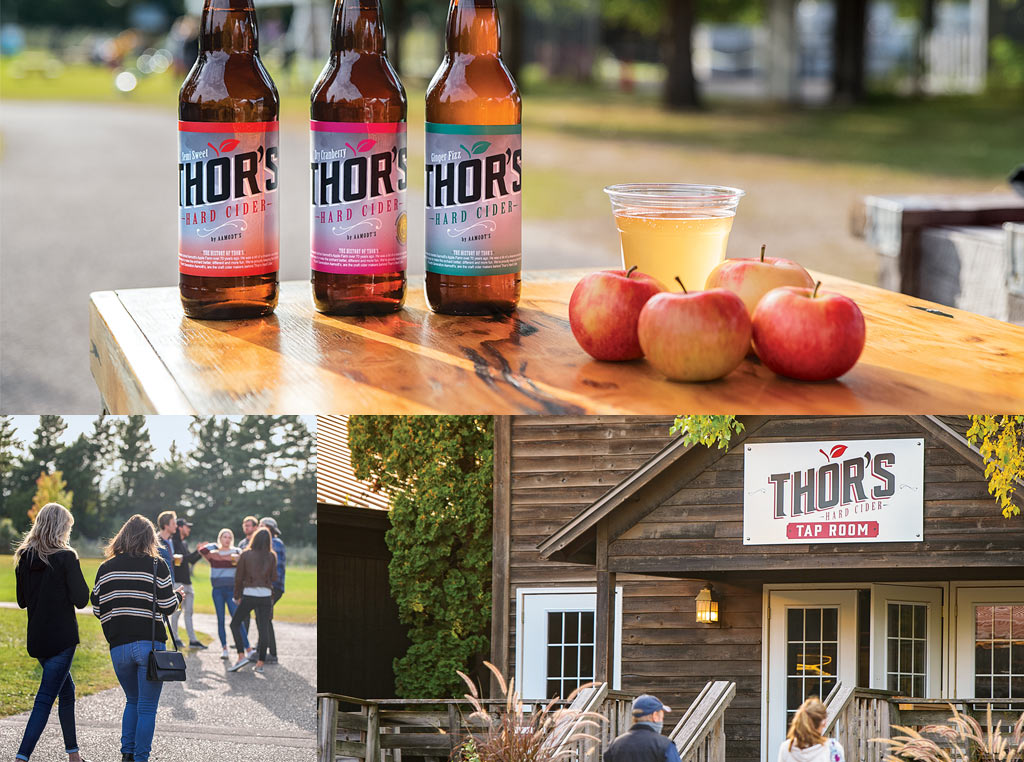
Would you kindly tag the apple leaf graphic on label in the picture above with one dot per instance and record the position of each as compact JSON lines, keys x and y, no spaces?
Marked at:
{"x":838,"y":451}
{"x":214,"y":148}
{"x":229,"y":145}
{"x":367,"y":145}
{"x":480,"y":147}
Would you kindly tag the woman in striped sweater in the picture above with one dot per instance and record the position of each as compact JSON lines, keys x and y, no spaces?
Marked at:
{"x":123,"y":600}
{"x":223,"y":557}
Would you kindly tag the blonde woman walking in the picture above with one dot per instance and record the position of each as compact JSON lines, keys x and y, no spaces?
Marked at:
{"x":51,"y":586}
{"x":123,"y":600}
{"x":806,"y":741}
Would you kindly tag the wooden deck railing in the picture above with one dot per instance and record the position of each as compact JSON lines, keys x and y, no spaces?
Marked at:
{"x":700,"y":733}
{"x":858,"y":715}
{"x":384,"y":730}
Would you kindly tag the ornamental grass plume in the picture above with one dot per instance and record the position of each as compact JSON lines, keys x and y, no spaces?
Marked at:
{"x":515,"y":735}
{"x":961,"y":740}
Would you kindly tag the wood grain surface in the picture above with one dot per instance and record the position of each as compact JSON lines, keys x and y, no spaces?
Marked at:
{"x":148,"y":358}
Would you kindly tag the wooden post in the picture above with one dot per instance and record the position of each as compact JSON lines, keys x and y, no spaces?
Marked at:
{"x":373,"y":733}
{"x":454,"y":734}
{"x":604,"y":643}
{"x":327,"y":735}
{"x":501,"y":533}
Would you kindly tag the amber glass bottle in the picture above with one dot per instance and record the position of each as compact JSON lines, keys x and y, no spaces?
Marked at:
{"x":473,"y":170}
{"x":229,"y":243}
{"x":359,"y":170}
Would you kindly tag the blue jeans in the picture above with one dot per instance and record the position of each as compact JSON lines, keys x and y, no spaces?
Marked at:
{"x":142,"y":696}
{"x":223,"y":598}
{"x":56,"y":683}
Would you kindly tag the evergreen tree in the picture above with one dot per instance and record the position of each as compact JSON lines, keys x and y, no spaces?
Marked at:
{"x":135,"y":485}
{"x":40,"y":459}
{"x":10,"y":445}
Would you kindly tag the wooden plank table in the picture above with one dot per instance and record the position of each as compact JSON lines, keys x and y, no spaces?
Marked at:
{"x":148,"y":358}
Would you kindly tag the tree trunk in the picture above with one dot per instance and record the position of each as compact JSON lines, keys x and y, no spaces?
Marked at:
{"x":513,"y":37}
{"x":924,"y":35}
{"x":396,"y":32}
{"x":849,"y":49}
{"x":681,"y":87}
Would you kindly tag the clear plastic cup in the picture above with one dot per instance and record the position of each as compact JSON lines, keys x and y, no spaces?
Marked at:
{"x":674,"y":230}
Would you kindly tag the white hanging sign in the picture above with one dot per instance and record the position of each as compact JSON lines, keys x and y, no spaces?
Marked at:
{"x":840,"y":491}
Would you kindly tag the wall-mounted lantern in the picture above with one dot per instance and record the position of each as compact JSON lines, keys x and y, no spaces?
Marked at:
{"x":707,"y":606}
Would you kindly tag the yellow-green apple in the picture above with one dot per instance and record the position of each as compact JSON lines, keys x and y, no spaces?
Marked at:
{"x":700,"y":336}
{"x":809,"y":334}
{"x":751,"y":279}
{"x":604,"y":311}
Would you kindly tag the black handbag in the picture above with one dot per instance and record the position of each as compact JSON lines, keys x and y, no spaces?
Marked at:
{"x":164,"y":666}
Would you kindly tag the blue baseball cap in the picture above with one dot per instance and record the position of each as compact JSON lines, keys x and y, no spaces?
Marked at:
{"x":647,"y":704}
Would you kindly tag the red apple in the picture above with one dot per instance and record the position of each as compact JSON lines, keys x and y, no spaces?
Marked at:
{"x":751,"y":279}
{"x":604,"y":311}
{"x":701,"y":336}
{"x":808,"y":334}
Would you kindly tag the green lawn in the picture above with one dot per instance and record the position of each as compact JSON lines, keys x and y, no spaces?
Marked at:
{"x":970,"y":137}
{"x":297,"y":605}
{"x":20,"y":673}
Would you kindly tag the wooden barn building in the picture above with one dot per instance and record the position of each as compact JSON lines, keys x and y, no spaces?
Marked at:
{"x":861,"y":551}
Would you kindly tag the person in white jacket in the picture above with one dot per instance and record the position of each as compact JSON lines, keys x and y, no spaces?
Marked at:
{"x":806,"y":741}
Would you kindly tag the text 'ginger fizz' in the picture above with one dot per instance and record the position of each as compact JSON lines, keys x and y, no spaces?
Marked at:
{"x":474,"y":162}
{"x":359,"y":170}
{"x":229,"y":215}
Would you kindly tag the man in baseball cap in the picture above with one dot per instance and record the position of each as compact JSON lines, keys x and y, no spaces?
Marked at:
{"x":644,"y":742}
{"x":183,"y":575}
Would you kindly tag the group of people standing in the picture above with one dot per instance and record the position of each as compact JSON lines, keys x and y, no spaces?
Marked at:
{"x":145,"y":580}
{"x":246,"y":579}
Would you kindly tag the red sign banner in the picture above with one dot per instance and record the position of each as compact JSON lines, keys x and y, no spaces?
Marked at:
{"x":832,"y":530}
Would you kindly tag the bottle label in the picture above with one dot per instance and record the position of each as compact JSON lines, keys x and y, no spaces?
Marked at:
{"x":227,"y":197}
{"x":474,"y":199}
{"x":360,"y":176}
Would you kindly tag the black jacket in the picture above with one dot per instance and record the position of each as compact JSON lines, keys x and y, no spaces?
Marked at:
{"x":183,"y":573}
{"x":640,"y":744}
{"x":51,"y":593}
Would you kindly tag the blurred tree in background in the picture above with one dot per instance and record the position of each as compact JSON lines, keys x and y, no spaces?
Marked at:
{"x":82,"y":13}
{"x":260,"y":465}
{"x":50,"y":488}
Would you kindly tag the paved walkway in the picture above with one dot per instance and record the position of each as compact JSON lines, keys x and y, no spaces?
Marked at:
{"x":215,"y":715}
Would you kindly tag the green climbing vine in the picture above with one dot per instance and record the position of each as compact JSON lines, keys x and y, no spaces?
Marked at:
{"x":708,"y":430}
{"x":1000,"y":439}
{"x":439,"y":471}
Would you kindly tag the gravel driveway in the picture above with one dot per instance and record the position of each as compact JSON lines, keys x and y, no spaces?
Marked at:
{"x":215,"y":715}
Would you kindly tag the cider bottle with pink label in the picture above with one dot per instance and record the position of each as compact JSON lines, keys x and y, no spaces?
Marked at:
{"x":359,"y":170}
{"x":228,"y":210}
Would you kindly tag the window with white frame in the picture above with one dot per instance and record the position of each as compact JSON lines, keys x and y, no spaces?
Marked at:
{"x":556,"y":639}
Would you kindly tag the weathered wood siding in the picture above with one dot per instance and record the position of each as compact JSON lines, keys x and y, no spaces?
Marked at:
{"x":701,"y":526}
{"x":559,"y":466}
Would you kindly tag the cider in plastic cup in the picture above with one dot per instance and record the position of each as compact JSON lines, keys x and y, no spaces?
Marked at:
{"x":671,"y":230}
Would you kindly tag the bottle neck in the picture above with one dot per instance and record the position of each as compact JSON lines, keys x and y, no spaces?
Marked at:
{"x":229,"y":26}
{"x":359,"y":27}
{"x":473,"y":28}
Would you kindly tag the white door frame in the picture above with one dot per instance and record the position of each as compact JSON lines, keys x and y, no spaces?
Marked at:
{"x":964,"y":597}
{"x":587,"y":597}
{"x":934,"y":596}
{"x":779,"y":597}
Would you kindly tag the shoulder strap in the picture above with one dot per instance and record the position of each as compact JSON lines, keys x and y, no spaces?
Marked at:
{"x":174,"y":639}
{"x":153,"y":638}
